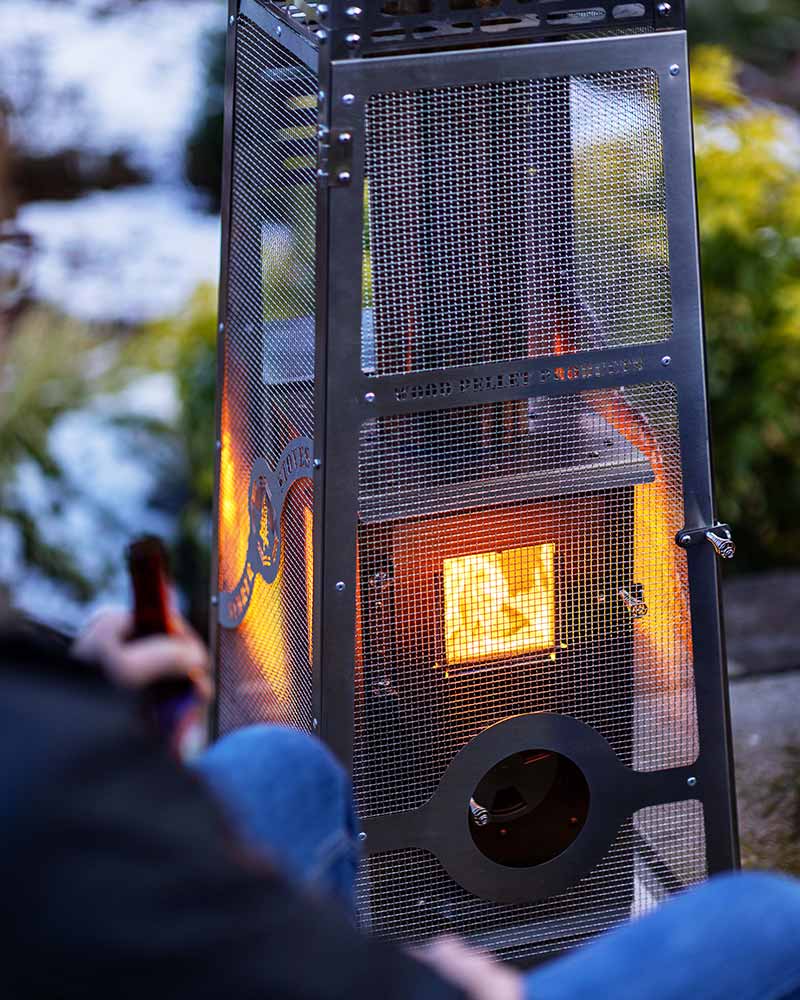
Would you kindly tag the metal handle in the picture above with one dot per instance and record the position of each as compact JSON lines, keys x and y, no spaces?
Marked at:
{"x":724,"y":546}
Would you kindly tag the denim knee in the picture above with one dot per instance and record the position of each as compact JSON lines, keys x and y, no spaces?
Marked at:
{"x":264,"y":755}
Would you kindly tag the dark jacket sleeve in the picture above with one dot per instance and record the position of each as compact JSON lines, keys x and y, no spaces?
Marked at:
{"x":120,"y":878}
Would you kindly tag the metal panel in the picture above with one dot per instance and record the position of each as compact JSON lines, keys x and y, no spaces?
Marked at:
{"x":515,"y":219}
{"x":265,"y":492}
{"x":518,"y":558}
{"x":408,"y":896}
{"x":689,"y":753}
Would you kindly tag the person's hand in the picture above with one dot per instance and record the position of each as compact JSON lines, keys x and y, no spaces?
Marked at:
{"x":477,"y":974}
{"x":139,"y":662}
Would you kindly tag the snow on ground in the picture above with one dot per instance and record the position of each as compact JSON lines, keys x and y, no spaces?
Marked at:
{"x":111,"y":508}
{"x":125,"y":79}
{"x":129,"y":255}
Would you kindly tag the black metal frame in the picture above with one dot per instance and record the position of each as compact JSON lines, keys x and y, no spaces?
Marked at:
{"x":346,"y":396}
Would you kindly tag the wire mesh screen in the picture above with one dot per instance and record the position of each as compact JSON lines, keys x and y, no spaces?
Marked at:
{"x":264,"y":663}
{"x":515,"y":558}
{"x":408,"y":896}
{"x":513,"y":220}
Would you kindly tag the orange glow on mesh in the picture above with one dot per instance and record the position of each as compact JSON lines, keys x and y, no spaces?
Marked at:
{"x":308,"y":524}
{"x":499,"y":603}
{"x":659,"y":564}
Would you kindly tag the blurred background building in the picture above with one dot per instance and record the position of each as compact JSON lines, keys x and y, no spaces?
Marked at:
{"x":110,"y":150}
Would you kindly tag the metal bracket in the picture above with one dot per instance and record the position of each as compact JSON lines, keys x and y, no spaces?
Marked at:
{"x":336,"y":157}
{"x":719,"y":535}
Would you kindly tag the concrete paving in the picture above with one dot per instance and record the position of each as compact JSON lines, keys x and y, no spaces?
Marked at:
{"x":766,"y":736}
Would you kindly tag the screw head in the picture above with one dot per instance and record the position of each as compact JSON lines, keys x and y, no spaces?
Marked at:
{"x":345,"y":137}
{"x":352,"y":40}
{"x":344,"y":177}
{"x":685,"y":539}
{"x":221,"y":328}
{"x":317,"y":463}
{"x":321,"y":96}
{"x":349,"y":99}
{"x":666,"y":361}
{"x":219,"y":445}
{"x":279,"y":31}
{"x":664,"y":9}
{"x":322,"y":9}
{"x":354,"y":13}
{"x":340,"y":586}
{"x":322,"y":36}
{"x":691,"y":782}
{"x":214,"y":600}
{"x":362,"y":836}
{"x":315,"y":723}
{"x":232,"y":20}
{"x":369,"y":397}
{"x":674,"y":69}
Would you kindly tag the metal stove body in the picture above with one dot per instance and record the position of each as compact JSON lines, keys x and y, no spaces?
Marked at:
{"x":464,"y":490}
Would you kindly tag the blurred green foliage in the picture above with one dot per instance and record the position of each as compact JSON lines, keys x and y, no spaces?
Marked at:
{"x":50,"y":366}
{"x":765,"y":33}
{"x":749,"y":199}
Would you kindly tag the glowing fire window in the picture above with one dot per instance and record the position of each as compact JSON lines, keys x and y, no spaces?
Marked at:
{"x":499,"y":603}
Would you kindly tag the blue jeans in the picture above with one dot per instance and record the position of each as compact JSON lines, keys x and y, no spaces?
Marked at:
{"x":735,"y":938}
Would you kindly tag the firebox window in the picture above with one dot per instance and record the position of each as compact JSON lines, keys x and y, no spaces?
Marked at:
{"x":499,"y":604}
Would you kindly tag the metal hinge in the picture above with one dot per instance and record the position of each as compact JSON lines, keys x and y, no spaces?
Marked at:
{"x":335,"y":157}
{"x":718,"y":535}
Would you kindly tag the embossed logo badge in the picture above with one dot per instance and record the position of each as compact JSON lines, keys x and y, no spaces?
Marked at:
{"x":266,"y":499}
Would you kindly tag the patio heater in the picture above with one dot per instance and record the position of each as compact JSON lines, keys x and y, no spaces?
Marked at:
{"x":465,"y":528}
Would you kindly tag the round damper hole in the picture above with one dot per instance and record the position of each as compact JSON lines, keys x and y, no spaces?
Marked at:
{"x":528,"y":808}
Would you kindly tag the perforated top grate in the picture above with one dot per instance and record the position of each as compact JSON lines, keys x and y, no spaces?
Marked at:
{"x":514,"y":219}
{"x":268,"y":379}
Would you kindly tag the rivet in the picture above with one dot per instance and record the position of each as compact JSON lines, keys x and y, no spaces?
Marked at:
{"x":362,"y":836}
{"x":685,"y":539}
{"x":344,"y":177}
{"x":221,"y":328}
{"x":315,"y":723}
{"x":352,"y":40}
{"x":345,"y":137}
{"x":674,"y":69}
{"x":666,"y":361}
{"x":349,"y":99}
{"x":215,"y":600}
{"x":279,"y":31}
{"x":322,"y":36}
{"x":322,"y":172}
{"x":691,"y":782}
{"x":219,"y":445}
{"x":354,"y":13}
{"x":321,"y":96}
{"x":317,"y":463}
{"x":340,"y":586}
{"x":369,"y":397}
{"x":664,"y":9}
{"x":322,"y":9}
{"x":232,"y":20}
